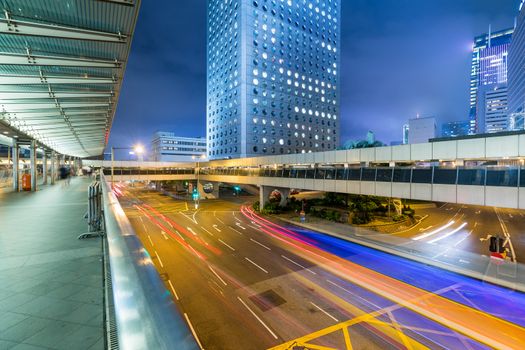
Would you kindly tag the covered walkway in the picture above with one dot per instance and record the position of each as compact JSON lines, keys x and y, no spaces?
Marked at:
{"x":51,"y":283}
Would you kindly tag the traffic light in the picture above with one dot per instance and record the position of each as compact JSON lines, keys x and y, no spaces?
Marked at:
{"x":195,"y":195}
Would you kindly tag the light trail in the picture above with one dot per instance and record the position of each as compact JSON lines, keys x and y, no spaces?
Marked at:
{"x":448,"y":234}
{"x":431,"y":233}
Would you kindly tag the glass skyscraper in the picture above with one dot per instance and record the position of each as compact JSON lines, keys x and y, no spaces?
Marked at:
{"x":516,"y":82}
{"x":273,"y":77}
{"x":489,"y":67}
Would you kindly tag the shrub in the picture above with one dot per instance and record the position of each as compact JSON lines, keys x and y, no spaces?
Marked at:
{"x":256,"y":206}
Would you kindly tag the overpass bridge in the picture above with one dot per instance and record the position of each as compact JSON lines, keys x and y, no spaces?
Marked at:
{"x":487,"y":171}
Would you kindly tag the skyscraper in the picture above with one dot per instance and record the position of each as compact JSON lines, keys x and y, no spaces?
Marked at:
{"x":516,"y":73}
{"x":455,"y":129}
{"x":489,"y":66}
{"x":273,"y":77}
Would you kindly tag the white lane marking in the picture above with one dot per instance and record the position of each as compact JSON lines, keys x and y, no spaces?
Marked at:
{"x":194,"y":218}
{"x":169,"y":223}
{"x":324,"y":312}
{"x":296,"y":263}
{"x":216,"y":228}
{"x":193,"y":331}
{"x":217,"y":275}
{"x":253,"y":222}
{"x":173,"y":290}
{"x":219,"y":220}
{"x":428,"y":234}
{"x":186,"y":206}
{"x":151,"y":241}
{"x":353,"y":294}
{"x":256,"y":265}
{"x":448,"y":234}
{"x":259,"y":243}
{"x":227,"y":245}
{"x":177,"y":232}
{"x":189,"y":217}
{"x":189,"y":229}
{"x":164,"y":235}
{"x":160,"y":261}
{"x":211,"y":234}
{"x":258,"y":319}
{"x":463,"y":239}
{"x":238,"y":224}
{"x":507,"y":234}
{"x":239,"y":232}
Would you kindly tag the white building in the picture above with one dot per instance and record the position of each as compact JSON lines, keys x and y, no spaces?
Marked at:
{"x":167,"y":147}
{"x":421,"y":130}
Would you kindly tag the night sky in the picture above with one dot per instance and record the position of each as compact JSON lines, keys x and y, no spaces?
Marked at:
{"x":399,"y":58}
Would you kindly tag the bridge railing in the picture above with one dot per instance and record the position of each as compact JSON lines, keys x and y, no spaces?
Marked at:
{"x":146,"y":315}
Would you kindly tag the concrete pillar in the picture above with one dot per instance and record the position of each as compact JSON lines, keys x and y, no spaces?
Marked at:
{"x":264,"y":194}
{"x":53,"y":167}
{"x":34,"y":172}
{"x":15,"y":156}
{"x":44,"y":168}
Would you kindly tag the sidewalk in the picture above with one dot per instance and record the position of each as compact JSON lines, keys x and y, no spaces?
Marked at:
{"x":507,"y":274}
{"x":51,"y":283}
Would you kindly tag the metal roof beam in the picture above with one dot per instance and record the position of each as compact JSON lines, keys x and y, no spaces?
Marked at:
{"x":9,"y":25}
{"x":24,"y":115}
{"x":120,"y":2}
{"x":12,"y":96}
{"x":51,"y":105}
{"x":59,"y":61}
{"x":37,"y":79}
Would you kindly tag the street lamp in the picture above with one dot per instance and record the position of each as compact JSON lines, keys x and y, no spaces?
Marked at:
{"x":196,"y":196}
{"x":138,"y":149}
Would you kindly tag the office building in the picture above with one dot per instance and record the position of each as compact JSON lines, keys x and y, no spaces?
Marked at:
{"x":455,"y":129}
{"x":516,"y":74}
{"x":489,"y":67}
{"x":421,"y":130}
{"x":273,"y":77}
{"x":406,"y":131}
{"x":492,"y":109}
{"x":167,"y":147}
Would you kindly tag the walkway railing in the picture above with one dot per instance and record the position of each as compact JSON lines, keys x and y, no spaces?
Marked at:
{"x":146,"y":316}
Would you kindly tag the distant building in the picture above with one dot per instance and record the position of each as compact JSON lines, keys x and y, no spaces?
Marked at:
{"x":167,"y":147}
{"x":406,"y":131}
{"x":455,"y":129}
{"x":489,"y":67}
{"x":273,"y":72}
{"x":421,"y":130}
{"x":516,"y":74}
{"x":396,"y":143}
{"x":492,"y":109}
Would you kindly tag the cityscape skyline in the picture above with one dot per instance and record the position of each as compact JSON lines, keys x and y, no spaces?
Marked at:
{"x":178,"y":104}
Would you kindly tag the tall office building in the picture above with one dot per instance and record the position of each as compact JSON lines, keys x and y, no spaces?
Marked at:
{"x":516,"y":83}
{"x":455,"y":129}
{"x":273,"y":77}
{"x":421,"y":130}
{"x":489,"y":67}
{"x":492,"y":109}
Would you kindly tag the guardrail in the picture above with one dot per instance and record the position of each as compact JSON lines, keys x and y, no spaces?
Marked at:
{"x":146,"y":315}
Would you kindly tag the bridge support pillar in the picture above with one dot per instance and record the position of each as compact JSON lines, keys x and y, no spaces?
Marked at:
{"x":53,"y":167}
{"x":34,"y":172}
{"x":44,"y":168}
{"x":16,"y":170}
{"x":265,"y":191}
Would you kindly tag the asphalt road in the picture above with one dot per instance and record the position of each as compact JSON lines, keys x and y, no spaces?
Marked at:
{"x":242,"y":283}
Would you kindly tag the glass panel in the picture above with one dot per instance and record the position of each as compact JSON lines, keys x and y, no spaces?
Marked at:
{"x":402,"y":175}
{"x":286,"y":173}
{"x":107,"y":171}
{"x":329,"y":174}
{"x":422,"y":176}
{"x":522,"y":178}
{"x":301,"y":173}
{"x":384,"y":175}
{"x":474,"y":177}
{"x":319,"y":174}
{"x":369,"y":174}
{"x":502,"y":177}
{"x":310,"y":174}
{"x":293,"y":173}
{"x":354,"y":174}
{"x":341,"y":174}
{"x":445,"y":176}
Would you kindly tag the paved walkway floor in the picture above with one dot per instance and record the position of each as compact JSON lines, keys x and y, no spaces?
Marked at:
{"x":51,"y":283}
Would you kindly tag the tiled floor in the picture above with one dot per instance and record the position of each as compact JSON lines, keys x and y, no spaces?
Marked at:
{"x":51,"y":293}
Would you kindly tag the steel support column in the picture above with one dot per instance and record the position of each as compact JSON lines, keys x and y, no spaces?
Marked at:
{"x":53,"y":167}
{"x":16,"y":151}
{"x":44,"y":168}
{"x":34,"y":172}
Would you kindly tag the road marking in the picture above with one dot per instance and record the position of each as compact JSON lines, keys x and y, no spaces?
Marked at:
{"x":255,"y":224}
{"x":354,"y":295}
{"x":211,"y":234}
{"x":219,"y":220}
{"x":301,"y":266}
{"x":189,"y":229}
{"x":227,"y":245}
{"x":173,"y":290}
{"x":193,"y":331}
{"x":507,"y":234}
{"x":217,"y":275}
{"x":238,"y":224}
{"x":428,"y":234}
{"x":160,"y":261}
{"x":186,"y":206}
{"x":257,"y":317}
{"x":448,"y":234}
{"x":164,"y":235}
{"x":216,"y":228}
{"x":151,"y":241}
{"x":324,"y":312}
{"x":461,"y":240}
{"x":239,"y":232}
{"x":169,"y":223}
{"x":178,"y":233}
{"x":259,"y":243}
{"x":256,"y":265}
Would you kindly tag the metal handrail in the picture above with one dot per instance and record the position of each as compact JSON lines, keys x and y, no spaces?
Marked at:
{"x":146,"y":315}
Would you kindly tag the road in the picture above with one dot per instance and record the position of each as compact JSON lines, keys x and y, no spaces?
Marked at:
{"x":246,"y":283}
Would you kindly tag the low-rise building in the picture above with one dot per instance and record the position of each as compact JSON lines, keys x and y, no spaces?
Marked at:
{"x":167,"y":147}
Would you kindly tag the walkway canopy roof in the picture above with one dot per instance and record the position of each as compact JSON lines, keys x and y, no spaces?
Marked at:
{"x":61,"y":68}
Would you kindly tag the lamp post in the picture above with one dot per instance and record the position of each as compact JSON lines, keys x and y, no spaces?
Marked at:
{"x":198,"y":159}
{"x":138,"y":149}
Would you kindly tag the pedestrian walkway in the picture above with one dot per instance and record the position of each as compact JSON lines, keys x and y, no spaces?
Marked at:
{"x":51,"y":283}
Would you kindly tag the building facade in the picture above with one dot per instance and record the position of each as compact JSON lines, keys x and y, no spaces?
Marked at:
{"x":516,"y":79}
{"x":421,"y":130}
{"x":489,"y":67}
{"x":492,"y":108}
{"x":455,"y":129}
{"x":167,"y":147}
{"x":273,"y":77}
